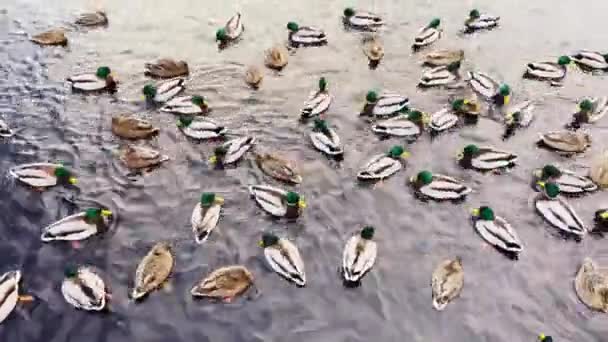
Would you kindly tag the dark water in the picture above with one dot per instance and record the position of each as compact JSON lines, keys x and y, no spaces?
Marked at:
{"x":502,"y":300}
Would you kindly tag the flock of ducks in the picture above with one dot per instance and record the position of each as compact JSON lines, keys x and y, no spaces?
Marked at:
{"x":390,"y":115}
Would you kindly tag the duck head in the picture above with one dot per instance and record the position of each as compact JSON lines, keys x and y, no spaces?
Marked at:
{"x":467,"y":155}
{"x":474,"y":14}
{"x":551,"y":190}
{"x":503,"y":96}
{"x":64,"y":176}
{"x":221,"y":35}
{"x":295,"y":204}
{"x":218,"y":155}
{"x":349,"y":12}
{"x":564,"y":60}
{"x":367,"y":233}
{"x":484,"y":213}
{"x":269,"y":240}
{"x":105,"y":73}
{"x":70,"y":271}
{"x":397,"y":152}
{"x":184,"y":121}
{"x":547,"y":172}
{"x":423,"y":178}
{"x":96,"y":215}
{"x":434,"y":23}
{"x":200,"y":101}
{"x":321,"y":126}
{"x":149,"y":91}
{"x":322,"y":84}
{"x":292,"y":26}
{"x":209,"y":198}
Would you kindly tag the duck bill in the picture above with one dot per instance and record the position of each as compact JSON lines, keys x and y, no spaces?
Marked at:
{"x":604,"y":215}
{"x":219,"y":200}
{"x":261,"y":243}
{"x":475,"y":212}
{"x":541,"y":184}
{"x":426,"y":118}
{"x":106,"y":213}
{"x":73,"y":180}
{"x":213,"y":159}
{"x":506,"y":100}
{"x":302,"y":204}
{"x":405,"y":155}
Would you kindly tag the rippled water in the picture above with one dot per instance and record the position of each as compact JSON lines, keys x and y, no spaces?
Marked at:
{"x":503,"y":300}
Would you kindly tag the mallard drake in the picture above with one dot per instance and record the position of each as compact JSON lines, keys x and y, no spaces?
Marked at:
{"x":485,"y":158}
{"x":478,"y":21}
{"x":373,"y":49}
{"x":361,"y":20}
{"x":130,"y":127}
{"x":496,"y":231}
{"x":98,"y":18}
{"x":558,"y":212}
{"x":438,"y":187}
{"x":359,"y":255}
{"x":520,"y":115}
{"x":139,"y":157}
{"x":254,"y":76}
{"x":408,"y":126}
{"x":278,"y":202}
{"x":200,"y":129}
{"x":489,"y":88}
{"x":442,"y":120}
{"x":591,"y":285}
{"x":428,"y":34}
{"x":566,"y":141}
{"x":9,"y":293}
{"x":84,"y":289}
{"x":42,"y":175}
{"x":447,"y":282}
{"x":102,"y":79}
{"x":548,"y":71}
{"x":384,"y":105}
{"x":318,"y":101}
{"x":232,"y":150}
{"x":186,"y":105}
{"x":78,"y":226}
{"x":305,"y":35}
{"x":5,"y":130}
{"x":440,"y":76}
{"x":590,"y":60}
{"x":325,"y":139}
{"x":225,"y":283}
{"x":601,"y":220}
{"x":206,"y":215}
{"x":284,"y":258}
{"x":163,"y":91}
{"x":276,"y":57}
{"x":590,"y":111}
{"x":278,"y":168}
{"x":443,"y":57}
{"x":153,"y":270}
{"x":231,"y":31}
{"x":51,"y":37}
{"x":599,"y":170}
{"x":569,"y":182}
{"x":166,"y":68}
{"x":383,"y":165}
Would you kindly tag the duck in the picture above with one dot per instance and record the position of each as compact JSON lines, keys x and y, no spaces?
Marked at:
{"x":232,"y":150}
{"x":318,"y":101}
{"x":438,"y":187}
{"x":590,"y":111}
{"x":79,"y":226}
{"x":478,"y":21}
{"x":428,"y":34}
{"x":130,"y":127}
{"x":101,"y":80}
{"x":440,"y":76}
{"x":186,"y":105}
{"x":231,"y":31}
{"x":5,"y":130}
{"x":361,"y":20}
{"x":591,"y":285}
{"x":224,"y":283}
{"x":518,"y":116}
{"x":599,"y":170}
{"x":166,"y":68}
{"x":569,"y":182}
{"x":359,"y":255}
{"x":384,"y":105}
{"x":153,"y":270}
{"x":408,"y":126}
{"x":488,"y":88}
{"x":601,"y":220}
{"x":443,"y":120}
{"x":163,"y":91}
{"x":43,"y":175}
{"x":443,"y":57}
{"x":278,"y":168}
{"x":558,"y":212}
{"x":84,"y":289}
{"x":447,"y":282}
{"x":200,"y":129}
{"x":9,"y":293}
{"x":325,"y":139}
{"x":139,"y":157}
{"x":305,"y":35}
{"x":206,"y":215}
{"x":278,"y":202}
{"x":485,"y":158}
{"x":284,"y":258}
{"x":383,"y":165}
{"x":565,"y":141}
{"x":51,"y":37}
{"x":591,"y":60}
{"x":496,"y":231}
{"x":98,"y":18}
{"x":254,"y":76}
{"x":276,"y":58}
{"x":548,"y":71}
{"x":374,"y":51}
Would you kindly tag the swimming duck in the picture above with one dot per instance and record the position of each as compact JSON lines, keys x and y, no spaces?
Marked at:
{"x":496,"y":231}
{"x":78,"y":226}
{"x":102,"y":79}
{"x":591,"y":60}
{"x":278,"y":168}
{"x":443,"y":57}
{"x":232,"y":150}
{"x":284,"y":258}
{"x":98,"y":18}
{"x":166,"y":68}
{"x":591,"y":285}
{"x":361,"y":20}
{"x":231,"y":31}
{"x":440,"y":76}
{"x":442,"y":120}
{"x":520,"y":115}
{"x":428,"y":34}
{"x":9,"y":293}
{"x":373,"y":49}
{"x":51,"y":37}
{"x":447,"y":282}
{"x":163,"y":91}
{"x":276,"y":57}
{"x":200,"y":129}
{"x":408,"y":126}
{"x":325,"y":139}
{"x":139,"y":157}
{"x":485,"y":158}
{"x":42,"y":175}
{"x":590,"y":111}
{"x":318,"y":101}
{"x":478,"y":21}
{"x":5,"y":130}
{"x":186,"y":105}
{"x":548,"y":71}
{"x":278,"y":202}
{"x":225,"y":283}
{"x":557,"y":212}
{"x":153,"y":270}
{"x":305,"y":35}
{"x":359,"y":255}
{"x":599,"y":170}
{"x":386,"y":104}
{"x":566,"y":141}
{"x":206,"y":215}
{"x":383,"y":165}
{"x":569,"y":182}
{"x":130,"y":127}
{"x":489,"y":88}
{"x":84,"y":289}
{"x":601,"y":220}
{"x":254,"y":76}
{"x":438,"y":187}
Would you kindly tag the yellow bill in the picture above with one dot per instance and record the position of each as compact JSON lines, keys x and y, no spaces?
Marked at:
{"x":213,"y":159}
{"x":405,"y":154}
{"x":506,"y":100}
{"x":541,"y":184}
{"x":475,"y":212}
{"x":73,"y":180}
{"x":261,"y":243}
{"x":604,"y":215}
{"x":219,"y":200}
{"x":302,"y":204}
{"x":106,"y":213}
{"x":426,"y":118}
